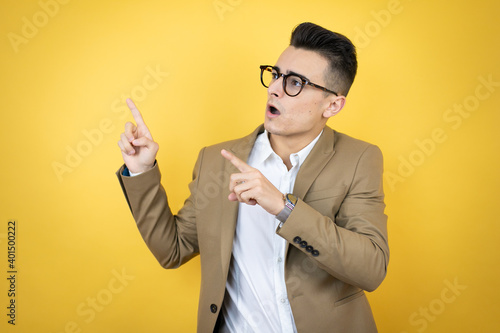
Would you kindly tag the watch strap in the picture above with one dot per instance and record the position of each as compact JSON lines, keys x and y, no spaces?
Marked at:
{"x":290,"y":202}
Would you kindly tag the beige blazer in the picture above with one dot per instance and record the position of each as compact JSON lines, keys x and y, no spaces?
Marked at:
{"x":337,"y":232}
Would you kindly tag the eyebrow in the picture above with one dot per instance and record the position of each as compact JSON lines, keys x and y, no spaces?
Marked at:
{"x":294,"y":73}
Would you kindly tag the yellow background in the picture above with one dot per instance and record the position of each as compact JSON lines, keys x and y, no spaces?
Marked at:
{"x":62,"y":91}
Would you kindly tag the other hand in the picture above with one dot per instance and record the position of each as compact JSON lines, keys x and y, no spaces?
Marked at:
{"x":136,"y":143}
{"x":251,"y":187}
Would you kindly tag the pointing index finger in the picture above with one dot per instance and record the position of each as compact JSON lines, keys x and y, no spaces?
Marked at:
{"x":135,"y":112}
{"x":239,"y":164}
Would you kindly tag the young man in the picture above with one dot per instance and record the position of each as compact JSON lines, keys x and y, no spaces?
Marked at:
{"x":289,"y":221}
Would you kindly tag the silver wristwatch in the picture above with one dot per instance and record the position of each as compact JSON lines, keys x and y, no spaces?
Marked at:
{"x":290,"y":202}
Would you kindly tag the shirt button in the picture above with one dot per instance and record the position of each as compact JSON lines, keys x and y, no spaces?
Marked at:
{"x":283,"y":300}
{"x":280,"y":259}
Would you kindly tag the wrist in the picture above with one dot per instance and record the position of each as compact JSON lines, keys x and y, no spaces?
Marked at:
{"x":281,"y":204}
{"x":138,"y":171}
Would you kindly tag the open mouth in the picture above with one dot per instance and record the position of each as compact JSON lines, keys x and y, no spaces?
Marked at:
{"x":273,"y":110}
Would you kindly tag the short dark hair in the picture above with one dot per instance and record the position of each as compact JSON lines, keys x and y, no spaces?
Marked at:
{"x":337,"y":49}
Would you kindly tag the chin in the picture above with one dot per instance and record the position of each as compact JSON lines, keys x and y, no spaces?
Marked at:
{"x":274,"y":130}
{"x":269,"y":127}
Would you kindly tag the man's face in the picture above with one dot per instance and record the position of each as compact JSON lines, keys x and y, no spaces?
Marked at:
{"x":301,"y":118}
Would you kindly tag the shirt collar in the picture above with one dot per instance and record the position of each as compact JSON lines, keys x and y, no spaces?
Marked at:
{"x":263,"y":150}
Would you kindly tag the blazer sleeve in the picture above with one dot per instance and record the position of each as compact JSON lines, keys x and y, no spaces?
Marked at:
{"x":171,"y":238}
{"x":351,"y":244}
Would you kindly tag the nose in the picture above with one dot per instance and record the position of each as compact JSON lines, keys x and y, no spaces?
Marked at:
{"x":276,"y":87}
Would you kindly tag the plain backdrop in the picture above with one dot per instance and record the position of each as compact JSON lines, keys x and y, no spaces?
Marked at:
{"x":427,"y":93}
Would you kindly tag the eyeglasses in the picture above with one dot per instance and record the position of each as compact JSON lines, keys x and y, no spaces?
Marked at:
{"x":292,"y":83}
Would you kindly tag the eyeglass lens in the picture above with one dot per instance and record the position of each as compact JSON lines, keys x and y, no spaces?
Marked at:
{"x":293,"y":84}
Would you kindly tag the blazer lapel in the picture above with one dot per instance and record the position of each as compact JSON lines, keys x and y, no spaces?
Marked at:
{"x":229,"y":214}
{"x":319,"y":156}
{"x":317,"y":159}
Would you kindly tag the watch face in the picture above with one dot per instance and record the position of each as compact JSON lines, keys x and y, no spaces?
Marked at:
{"x":292,"y":198}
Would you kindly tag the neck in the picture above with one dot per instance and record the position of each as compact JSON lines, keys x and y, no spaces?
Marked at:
{"x":284,"y":146}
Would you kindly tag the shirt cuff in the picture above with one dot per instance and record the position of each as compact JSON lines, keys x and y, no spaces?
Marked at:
{"x":127,"y":173}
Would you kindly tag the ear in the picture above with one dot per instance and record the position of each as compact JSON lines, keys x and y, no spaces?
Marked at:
{"x":335,"y":104}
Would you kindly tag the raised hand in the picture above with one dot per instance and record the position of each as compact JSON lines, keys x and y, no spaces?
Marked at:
{"x":251,"y":187}
{"x":136,"y":143}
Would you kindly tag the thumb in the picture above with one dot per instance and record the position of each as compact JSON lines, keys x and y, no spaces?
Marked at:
{"x":145,"y":142}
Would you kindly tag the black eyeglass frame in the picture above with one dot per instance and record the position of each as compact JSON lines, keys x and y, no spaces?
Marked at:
{"x":285,"y":76}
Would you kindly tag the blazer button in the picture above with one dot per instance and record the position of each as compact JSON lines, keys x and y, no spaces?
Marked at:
{"x":303,"y":244}
{"x":213,"y":308}
{"x":309,"y":248}
{"x":315,"y":253}
{"x":297,"y":240}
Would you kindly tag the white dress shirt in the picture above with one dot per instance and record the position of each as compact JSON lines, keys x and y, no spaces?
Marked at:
{"x":256,"y":298}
